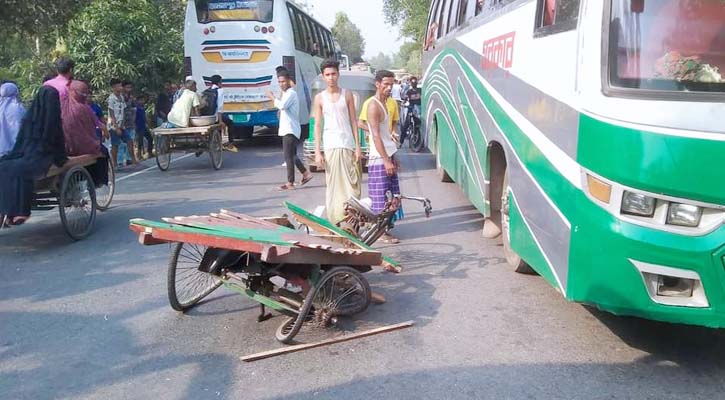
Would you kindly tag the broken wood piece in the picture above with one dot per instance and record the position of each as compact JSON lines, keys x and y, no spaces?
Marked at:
{"x":345,"y":338}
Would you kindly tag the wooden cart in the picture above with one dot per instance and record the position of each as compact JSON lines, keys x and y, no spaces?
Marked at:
{"x":312,"y":279}
{"x":195,"y":139}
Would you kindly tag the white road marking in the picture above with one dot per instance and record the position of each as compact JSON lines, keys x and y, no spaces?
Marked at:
{"x":150,"y":168}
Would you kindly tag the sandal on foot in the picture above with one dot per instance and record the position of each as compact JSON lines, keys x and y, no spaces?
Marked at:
{"x":285,"y":187}
{"x":390,"y":239}
{"x":17,"y":221}
{"x":305,"y":180}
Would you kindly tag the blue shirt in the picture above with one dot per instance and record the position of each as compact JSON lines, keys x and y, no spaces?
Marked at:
{"x":99,"y":113}
{"x":140,"y":118}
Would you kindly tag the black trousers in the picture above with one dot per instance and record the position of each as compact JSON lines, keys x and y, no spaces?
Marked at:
{"x":149,"y":140}
{"x":289,"y":148}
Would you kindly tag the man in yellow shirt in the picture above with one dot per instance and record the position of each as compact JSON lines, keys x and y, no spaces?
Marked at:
{"x":392,"y":107}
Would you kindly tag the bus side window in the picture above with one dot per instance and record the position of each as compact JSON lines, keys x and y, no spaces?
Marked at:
{"x":554,"y":16}
{"x":295,"y":27}
{"x":452,"y":16}
{"x":304,"y":31}
{"x":432,"y":30}
{"x":443,"y":18}
{"x":462,"y":12}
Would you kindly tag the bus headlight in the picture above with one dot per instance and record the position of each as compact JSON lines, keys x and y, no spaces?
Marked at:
{"x":684,"y":215}
{"x":638,"y":204}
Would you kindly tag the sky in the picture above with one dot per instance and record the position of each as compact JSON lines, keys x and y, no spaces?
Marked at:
{"x":368,"y":16}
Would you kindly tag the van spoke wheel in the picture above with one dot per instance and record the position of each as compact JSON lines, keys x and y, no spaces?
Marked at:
{"x":186,"y":284}
{"x":512,"y":258}
{"x":342,"y":291}
{"x":163,"y":152}
{"x":215,"y":149}
{"x":77,"y":203}
{"x":104,"y":194}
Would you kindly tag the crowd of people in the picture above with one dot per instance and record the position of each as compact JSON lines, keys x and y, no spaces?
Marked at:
{"x":64,"y":121}
{"x":337,"y":144}
{"x":59,"y":124}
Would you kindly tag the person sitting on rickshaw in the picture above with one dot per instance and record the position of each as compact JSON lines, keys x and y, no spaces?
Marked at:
{"x":187,"y":105}
{"x":79,"y":128}
{"x":40,"y":144}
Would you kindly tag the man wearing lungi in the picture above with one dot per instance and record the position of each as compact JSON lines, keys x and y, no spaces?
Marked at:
{"x":336,"y":129}
{"x":382,"y":165}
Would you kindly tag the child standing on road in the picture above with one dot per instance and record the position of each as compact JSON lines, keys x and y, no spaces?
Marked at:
{"x":116,"y":112}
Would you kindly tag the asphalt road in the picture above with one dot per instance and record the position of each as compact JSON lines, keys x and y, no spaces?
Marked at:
{"x":91,"y":320}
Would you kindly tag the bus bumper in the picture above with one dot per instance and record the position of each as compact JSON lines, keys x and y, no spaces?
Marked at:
{"x":267,"y":118}
{"x":628,"y":269}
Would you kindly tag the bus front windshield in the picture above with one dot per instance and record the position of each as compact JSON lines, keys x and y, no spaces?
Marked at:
{"x":667,"y":45}
{"x":228,"y":10}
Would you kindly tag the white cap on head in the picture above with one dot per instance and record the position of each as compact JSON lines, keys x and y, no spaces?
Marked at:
{"x":189,"y":78}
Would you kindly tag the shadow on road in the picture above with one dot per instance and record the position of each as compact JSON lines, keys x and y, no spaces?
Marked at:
{"x":69,"y":365}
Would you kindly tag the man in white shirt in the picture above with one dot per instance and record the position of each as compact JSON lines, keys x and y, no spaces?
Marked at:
{"x":289,"y":129}
{"x":187,"y":104}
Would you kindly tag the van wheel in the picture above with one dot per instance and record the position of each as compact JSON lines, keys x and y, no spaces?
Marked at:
{"x":512,"y":258}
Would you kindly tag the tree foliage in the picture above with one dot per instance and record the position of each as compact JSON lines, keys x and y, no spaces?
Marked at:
{"x":34,"y":17}
{"x":409,"y":15}
{"x":381,"y":61}
{"x":348,"y":36}
{"x":140,"y":40}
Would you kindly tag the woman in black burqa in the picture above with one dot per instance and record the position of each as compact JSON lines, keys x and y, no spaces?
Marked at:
{"x":40,"y":144}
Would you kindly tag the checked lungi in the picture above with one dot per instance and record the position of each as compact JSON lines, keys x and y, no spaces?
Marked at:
{"x":379,"y":182}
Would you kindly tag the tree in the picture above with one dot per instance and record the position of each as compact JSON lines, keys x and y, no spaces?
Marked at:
{"x":348,"y":37}
{"x":410,"y":15}
{"x":414,"y":64}
{"x":401,"y":58}
{"x":140,"y":40}
{"x":381,"y":61}
{"x":35,"y":17}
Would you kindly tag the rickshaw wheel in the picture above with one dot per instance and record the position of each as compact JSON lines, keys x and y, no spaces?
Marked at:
{"x":104,"y":194}
{"x":77,"y":203}
{"x":186,"y":284}
{"x":163,"y":153}
{"x":342,"y":291}
{"x":215,"y":149}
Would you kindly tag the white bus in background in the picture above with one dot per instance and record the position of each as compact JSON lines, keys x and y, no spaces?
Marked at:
{"x":244,"y":41}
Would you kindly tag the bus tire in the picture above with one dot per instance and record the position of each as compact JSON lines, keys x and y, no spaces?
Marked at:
{"x":240,"y":132}
{"x":512,"y":258}
{"x":442,"y":174}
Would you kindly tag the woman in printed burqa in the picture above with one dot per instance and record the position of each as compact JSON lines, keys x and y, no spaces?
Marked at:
{"x":39,"y":145}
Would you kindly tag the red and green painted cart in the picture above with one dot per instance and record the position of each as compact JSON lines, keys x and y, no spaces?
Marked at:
{"x":312,"y":279}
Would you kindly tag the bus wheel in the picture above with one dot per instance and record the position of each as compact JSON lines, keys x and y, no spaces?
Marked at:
{"x":241,"y":132}
{"x":442,"y":174}
{"x":512,"y":258}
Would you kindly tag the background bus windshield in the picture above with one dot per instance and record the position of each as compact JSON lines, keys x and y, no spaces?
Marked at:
{"x":226,"y":10}
{"x":668,"y":45}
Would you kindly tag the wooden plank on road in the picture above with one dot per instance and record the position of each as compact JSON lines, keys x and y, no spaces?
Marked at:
{"x":300,"y":347}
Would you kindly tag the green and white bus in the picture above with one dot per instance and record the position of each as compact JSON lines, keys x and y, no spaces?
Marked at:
{"x":590,"y":134}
